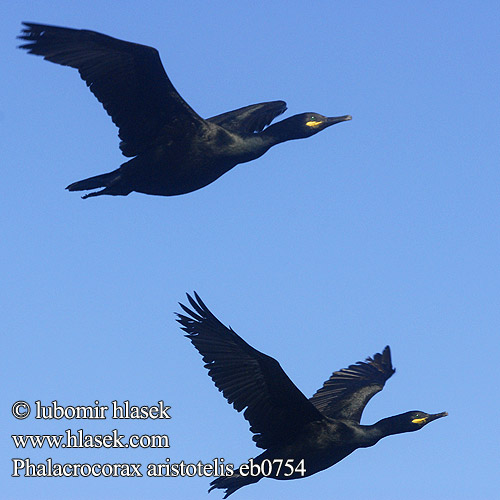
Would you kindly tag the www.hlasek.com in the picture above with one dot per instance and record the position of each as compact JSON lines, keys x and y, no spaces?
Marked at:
{"x":78,"y":439}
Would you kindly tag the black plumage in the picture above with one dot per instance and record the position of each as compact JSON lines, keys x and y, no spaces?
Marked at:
{"x":321,"y":430}
{"x":174,"y":151}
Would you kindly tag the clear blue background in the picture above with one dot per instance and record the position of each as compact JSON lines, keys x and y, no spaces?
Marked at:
{"x":383,"y":230}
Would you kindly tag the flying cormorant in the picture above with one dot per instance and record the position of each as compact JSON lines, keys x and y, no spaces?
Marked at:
{"x":300,"y":436}
{"x":173,"y":150}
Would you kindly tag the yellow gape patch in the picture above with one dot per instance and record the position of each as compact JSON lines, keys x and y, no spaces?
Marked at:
{"x":419,"y":421}
{"x":313,"y":124}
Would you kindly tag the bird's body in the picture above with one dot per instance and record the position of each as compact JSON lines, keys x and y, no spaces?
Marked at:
{"x":174,"y":151}
{"x":169,"y":170}
{"x":309,"y":435}
{"x":321,"y":444}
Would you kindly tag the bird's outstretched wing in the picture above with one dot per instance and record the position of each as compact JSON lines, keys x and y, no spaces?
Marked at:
{"x":275,"y":407}
{"x":251,"y":118}
{"x":127,"y":78}
{"x":346,"y":393}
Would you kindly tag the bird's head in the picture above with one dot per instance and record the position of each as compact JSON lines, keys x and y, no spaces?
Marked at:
{"x":311,"y":123}
{"x":301,"y":126}
{"x":415,"y":420}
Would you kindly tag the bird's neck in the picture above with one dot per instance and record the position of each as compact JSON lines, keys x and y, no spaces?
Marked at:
{"x":372,"y":434}
{"x":278,"y":133}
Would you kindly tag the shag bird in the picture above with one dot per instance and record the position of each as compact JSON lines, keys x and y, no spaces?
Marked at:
{"x":173,"y":150}
{"x":300,"y":436}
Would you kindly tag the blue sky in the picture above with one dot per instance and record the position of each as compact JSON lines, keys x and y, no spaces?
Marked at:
{"x":383,"y":230}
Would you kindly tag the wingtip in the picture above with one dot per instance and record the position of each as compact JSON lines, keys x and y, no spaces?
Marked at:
{"x":200,"y":302}
{"x":192,"y":301}
{"x":199,"y":311}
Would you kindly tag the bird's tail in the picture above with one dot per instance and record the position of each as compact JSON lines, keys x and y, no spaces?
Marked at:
{"x":108,"y":181}
{"x":232,"y":483}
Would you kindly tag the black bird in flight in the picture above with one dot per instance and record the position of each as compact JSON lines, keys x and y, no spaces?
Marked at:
{"x":300,"y":436}
{"x":173,"y":150}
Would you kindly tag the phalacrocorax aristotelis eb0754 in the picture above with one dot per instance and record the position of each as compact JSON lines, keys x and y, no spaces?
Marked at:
{"x":306,"y":435}
{"x":174,"y":150}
